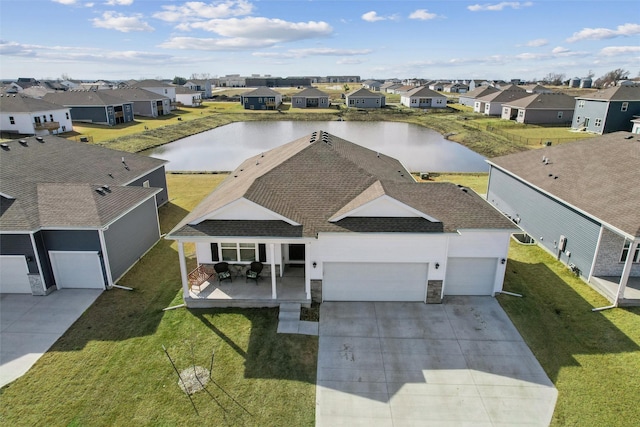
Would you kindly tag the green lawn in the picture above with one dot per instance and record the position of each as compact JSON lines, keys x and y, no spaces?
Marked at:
{"x":109,"y":367}
{"x":593,"y":358}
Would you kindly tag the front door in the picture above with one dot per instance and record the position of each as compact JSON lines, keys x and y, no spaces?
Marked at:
{"x":296,"y":253}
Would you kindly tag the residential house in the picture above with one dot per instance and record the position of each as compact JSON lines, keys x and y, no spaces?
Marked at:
{"x":422,"y":97}
{"x":354,"y":222}
{"x":579,"y":201}
{"x":74,"y":215}
{"x":145,"y":103}
{"x":389,"y":85}
{"x":158,"y":87}
{"x":469,"y":98}
{"x":262,"y":98}
{"x":29,"y":116}
{"x":607,"y":110}
{"x":99,"y":107}
{"x":204,"y":86}
{"x":491,"y":104}
{"x":188,"y":97}
{"x":438,"y":86}
{"x":363,"y":98}
{"x":636,"y":124}
{"x":310,"y":98}
{"x":536,"y":88}
{"x":456,"y":88}
{"x":400,"y":89}
{"x":372,"y":85}
{"x":540,"y":108}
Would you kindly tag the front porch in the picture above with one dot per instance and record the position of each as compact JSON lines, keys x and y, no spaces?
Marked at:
{"x":608,"y":287}
{"x":206,"y":292}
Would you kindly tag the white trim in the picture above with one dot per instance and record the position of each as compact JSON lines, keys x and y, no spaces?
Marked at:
{"x":145,"y":174}
{"x":609,"y":226}
{"x":595,"y":254}
{"x":274,"y":292}
{"x":183,"y":270}
{"x":307,"y":270}
{"x":626,"y":271}
{"x":105,"y":258}
{"x":6,"y":196}
{"x":386,"y":197}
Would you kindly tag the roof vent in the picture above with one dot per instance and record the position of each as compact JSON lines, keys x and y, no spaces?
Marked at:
{"x":39,"y":139}
{"x":4,"y":146}
{"x":106,"y":188}
{"x":628,"y":137}
{"x":100,"y":191}
{"x":23,"y":142}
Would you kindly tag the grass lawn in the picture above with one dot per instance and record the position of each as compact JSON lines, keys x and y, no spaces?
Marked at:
{"x":109,"y":367}
{"x":476,"y":181}
{"x":593,"y":358}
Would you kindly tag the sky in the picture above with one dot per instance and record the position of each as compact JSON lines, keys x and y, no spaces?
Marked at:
{"x":454,"y":39}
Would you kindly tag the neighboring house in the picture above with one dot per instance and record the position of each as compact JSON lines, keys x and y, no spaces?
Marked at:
{"x":469,"y":98}
{"x":541,"y":108}
{"x":310,"y":98}
{"x":94,"y":106}
{"x":188,"y":97}
{"x":158,"y":87}
{"x":437,"y":86}
{"x":262,"y":98}
{"x":422,"y":97}
{"x":579,"y":201}
{"x":203,"y":86}
{"x":29,"y":116}
{"x":456,"y":88}
{"x":362,"y":98}
{"x":389,"y":85}
{"x":372,"y":85}
{"x":536,"y":88}
{"x":145,"y":103}
{"x":491,"y":104}
{"x":636,"y":125}
{"x":400,"y":89}
{"x":607,"y":110}
{"x":355,"y":221}
{"x":74,"y":215}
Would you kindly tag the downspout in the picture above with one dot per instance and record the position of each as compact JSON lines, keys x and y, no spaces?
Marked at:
{"x":35,"y":251}
{"x":105,"y":257}
{"x":593,"y":261}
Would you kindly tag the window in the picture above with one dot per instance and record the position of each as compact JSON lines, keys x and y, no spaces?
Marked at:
{"x":243,"y":252}
{"x":598,"y":123}
{"x":67,"y":115}
{"x":44,"y":118}
{"x":625,"y":253}
{"x":12,"y":120}
{"x":146,"y":184}
{"x":51,"y":117}
{"x":625,"y":106}
{"x":559,"y":114}
{"x":581,"y":104}
{"x":520,"y":113}
{"x":37,"y":120}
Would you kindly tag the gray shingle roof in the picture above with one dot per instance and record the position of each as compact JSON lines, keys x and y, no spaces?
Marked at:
{"x":148,"y":83}
{"x":310,"y":180}
{"x":261,"y":91}
{"x":76,"y":98}
{"x":480,"y":91}
{"x":424,"y":92}
{"x":311,"y":92}
{"x":504,"y":96}
{"x":364,"y":93}
{"x":23,"y":104}
{"x":598,"y":176}
{"x":616,"y":93}
{"x":545,"y":101}
{"x":136,"y":94}
{"x":52,"y":183}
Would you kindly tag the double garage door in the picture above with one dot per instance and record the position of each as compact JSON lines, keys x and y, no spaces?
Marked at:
{"x":405,"y":282}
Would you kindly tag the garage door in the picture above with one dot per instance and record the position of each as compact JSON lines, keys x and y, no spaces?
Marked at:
{"x":13,"y":275}
{"x":470,"y":276}
{"x":77,"y":269}
{"x":374,"y":282}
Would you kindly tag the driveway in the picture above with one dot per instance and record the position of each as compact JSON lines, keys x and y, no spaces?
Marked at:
{"x":29,"y":325}
{"x":461,"y":363}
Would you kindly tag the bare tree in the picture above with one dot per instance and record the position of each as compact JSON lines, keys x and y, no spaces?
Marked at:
{"x":612,"y":78}
{"x":554,"y":79}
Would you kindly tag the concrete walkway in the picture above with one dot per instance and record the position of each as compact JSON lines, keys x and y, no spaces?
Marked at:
{"x":461,"y":363}
{"x":30,"y":325}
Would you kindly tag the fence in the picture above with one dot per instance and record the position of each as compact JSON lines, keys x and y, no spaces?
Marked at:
{"x":542,"y":140}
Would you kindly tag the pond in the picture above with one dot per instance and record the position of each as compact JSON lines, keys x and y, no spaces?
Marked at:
{"x":224,"y":148}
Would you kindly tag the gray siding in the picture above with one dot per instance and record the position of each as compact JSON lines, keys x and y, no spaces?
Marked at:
{"x":144,"y":108}
{"x":130,"y":237}
{"x":546,"y":117}
{"x":90,"y":114}
{"x":157,"y":179}
{"x":356,"y":102}
{"x":618,"y":119}
{"x":545,"y":219}
{"x":19,"y":244}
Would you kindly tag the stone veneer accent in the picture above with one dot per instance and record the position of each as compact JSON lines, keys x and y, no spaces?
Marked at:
{"x":316,"y":290}
{"x":608,"y":257}
{"x":434,"y":292}
{"x":37,"y":287}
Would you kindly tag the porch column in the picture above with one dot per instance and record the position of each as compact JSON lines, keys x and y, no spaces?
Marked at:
{"x":626,"y":271}
{"x":272,"y":253}
{"x":307,"y":270}
{"x":183,"y":270}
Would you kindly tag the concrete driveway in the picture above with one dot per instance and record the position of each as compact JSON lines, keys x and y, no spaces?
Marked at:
{"x":461,"y":363}
{"x":29,"y":325}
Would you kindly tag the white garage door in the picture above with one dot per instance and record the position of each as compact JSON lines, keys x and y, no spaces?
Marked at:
{"x":13,"y":275}
{"x":470,"y":276}
{"x":374,"y":282}
{"x":77,"y":269}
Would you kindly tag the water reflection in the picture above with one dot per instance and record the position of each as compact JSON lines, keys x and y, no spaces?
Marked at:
{"x":225,"y":147}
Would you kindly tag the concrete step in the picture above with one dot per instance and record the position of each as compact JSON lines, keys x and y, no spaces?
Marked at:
{"x":289,"y":306}
{"x":289,"y":315}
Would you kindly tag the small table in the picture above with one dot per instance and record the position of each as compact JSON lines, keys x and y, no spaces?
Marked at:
{"x":237,"y":270}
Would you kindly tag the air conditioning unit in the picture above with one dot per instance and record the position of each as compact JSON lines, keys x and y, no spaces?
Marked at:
{"x":562,"y":244}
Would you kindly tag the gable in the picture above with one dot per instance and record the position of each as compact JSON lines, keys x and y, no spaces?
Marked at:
{"x":382,"y":207}
{"x":243,"y":209}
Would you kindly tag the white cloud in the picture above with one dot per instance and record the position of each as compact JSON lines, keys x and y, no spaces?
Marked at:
{"x":316,"y":51}
{"x":374,"y":17}
{"x":619,"y":50}
{"x":119,"y":2}
{"x":120,"y":22}
{"x":213,"y":44}
{"x":66,"y":2}
{"x":422,"y":15}
{"x":349,"y":61}
{"x":605,"y":33}
{"x":197,"y":11}
{"x":499,"y":6}
{"x":537,"y":42}
{"x":265,"y":28}
{"x":89,"y":4}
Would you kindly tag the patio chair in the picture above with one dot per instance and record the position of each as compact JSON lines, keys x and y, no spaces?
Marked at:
{"x":254,"y":271}
{"x":222,"y":271}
